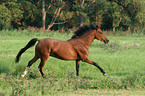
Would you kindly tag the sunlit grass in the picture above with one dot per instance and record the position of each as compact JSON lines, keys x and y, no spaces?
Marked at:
{"x":122,"y":59}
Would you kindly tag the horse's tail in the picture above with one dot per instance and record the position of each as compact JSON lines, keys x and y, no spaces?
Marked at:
{"x":30,"y":44}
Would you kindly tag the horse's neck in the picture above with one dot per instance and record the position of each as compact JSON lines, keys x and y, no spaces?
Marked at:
{"x":88,"y":38}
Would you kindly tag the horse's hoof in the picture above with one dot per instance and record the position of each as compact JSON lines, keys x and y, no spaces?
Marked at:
{"x":76,"y":76}
{"x":22,"y":76}
{"x":44,"y":76}
{"x":105,"y":74}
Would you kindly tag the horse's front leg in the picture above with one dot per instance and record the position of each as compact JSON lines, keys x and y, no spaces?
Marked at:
{"x":95,"y":64}
{"x":77,"y":67}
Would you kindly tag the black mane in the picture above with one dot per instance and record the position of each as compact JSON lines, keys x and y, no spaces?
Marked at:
{"x":84,"y":29}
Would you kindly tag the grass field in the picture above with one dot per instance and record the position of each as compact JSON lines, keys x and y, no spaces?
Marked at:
{"x":123,"y":59}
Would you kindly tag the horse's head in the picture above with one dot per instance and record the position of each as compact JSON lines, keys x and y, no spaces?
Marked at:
{"x":101,"y":36}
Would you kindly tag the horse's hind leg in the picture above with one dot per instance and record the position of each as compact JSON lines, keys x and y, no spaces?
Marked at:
{"x":29,"y":64}
{"x":41,"y":65}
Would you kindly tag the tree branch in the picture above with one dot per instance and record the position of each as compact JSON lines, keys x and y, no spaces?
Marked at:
{"x":91,"y":3}
{"x":49,"y":6}
{"x":62,"y":22}
{"x":56,"y":14}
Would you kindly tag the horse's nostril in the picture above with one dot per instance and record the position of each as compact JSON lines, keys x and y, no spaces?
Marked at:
{"x":106,"y":41}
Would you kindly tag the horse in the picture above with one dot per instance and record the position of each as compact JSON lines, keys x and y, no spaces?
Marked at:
{"x":75,"y":48}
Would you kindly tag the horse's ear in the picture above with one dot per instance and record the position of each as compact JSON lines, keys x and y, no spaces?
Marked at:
{"x":93,"y":26}
{"x":97,"y":27}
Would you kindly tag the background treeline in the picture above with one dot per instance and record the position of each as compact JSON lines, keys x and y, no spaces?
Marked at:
{"x":66,"y":14}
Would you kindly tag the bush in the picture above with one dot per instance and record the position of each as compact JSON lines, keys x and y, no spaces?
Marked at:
{"x":5,"y":17}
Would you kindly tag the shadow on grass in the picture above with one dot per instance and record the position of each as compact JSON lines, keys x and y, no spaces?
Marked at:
{"x":4,"y":69}
{"x":119,"y":74}
{"x":87,"y":77}
{"x":93,"y":88}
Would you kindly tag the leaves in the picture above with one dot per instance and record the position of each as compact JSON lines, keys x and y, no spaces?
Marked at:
{"x":70,"y":13}
{"x":5,"y":16}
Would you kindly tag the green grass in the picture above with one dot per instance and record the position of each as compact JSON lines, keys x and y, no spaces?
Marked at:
{"x":123,"y":59}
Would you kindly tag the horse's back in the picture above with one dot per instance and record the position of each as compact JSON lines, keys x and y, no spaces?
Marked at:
{"x":56,"y":48}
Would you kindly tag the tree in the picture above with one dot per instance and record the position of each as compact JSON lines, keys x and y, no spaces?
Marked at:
{"x":5,"y":17}
{"x":96,"y":10}
{"x":115,"y":12}
{"x":16,"y":13}
{"x":44,"y":14}
{"x":31,"y":14}
{"x":132,"y":9}
{"x":81,"y":17}
{"x":81,"y":11}
{"x":53,"y":12}
{"x":140,"y":14}
{"x":65,"y":14}
{"x":58,"y":6}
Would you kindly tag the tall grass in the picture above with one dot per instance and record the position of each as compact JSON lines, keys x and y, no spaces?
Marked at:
{"x":122,"y":59}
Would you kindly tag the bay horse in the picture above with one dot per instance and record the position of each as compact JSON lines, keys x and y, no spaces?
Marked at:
{"x":75,"y":48}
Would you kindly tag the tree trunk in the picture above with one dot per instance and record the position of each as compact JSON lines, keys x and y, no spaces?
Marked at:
{"x":56,"y":14}
{"x":128,"y":29}
{"x":49,"y":26}
{"x":81,"y":17}
{"x":43,"y":14}
{"x":81,"y":21}
{"x":113,"y":29}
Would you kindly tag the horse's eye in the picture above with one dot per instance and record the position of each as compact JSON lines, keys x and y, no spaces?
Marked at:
{"x":100,"y":32}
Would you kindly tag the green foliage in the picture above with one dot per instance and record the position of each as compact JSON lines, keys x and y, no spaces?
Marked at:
{"x":2,"y":25}
{"x":30,"y":15}
{"x":116,"y":14}
{"x":141,"y":12}
{"x":66,"y":15}
{"x":5,"y":17}
{"x":96,"y":11}
{"x":16,"y":13}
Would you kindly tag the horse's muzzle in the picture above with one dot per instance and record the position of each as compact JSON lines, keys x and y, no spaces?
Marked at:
{"x":106,"y":41}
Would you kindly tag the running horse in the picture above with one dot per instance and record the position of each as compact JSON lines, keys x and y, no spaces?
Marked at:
{"x":75,"y":48}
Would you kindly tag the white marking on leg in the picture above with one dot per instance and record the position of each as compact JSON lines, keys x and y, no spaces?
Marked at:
{"x":22,"y":75}
{"x":25,"y":72}
{"x":105,"y":74}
